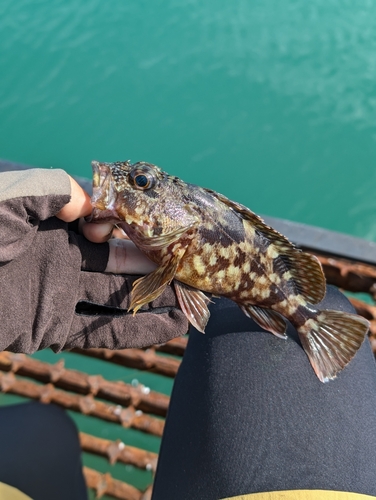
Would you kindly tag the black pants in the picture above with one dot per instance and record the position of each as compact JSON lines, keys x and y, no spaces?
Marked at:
{"x":40,"y":452}
{"x":248,"y":414}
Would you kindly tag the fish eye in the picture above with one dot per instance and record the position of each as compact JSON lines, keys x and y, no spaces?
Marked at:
{"x":142,"y":178}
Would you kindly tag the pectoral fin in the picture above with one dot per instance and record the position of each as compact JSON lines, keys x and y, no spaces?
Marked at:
{"x":193,"y":303}
{"x":266,"y":318}
{"x":163,"y":240}
{"x":152,"y":285}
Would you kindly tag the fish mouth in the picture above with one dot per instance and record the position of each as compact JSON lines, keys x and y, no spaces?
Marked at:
{"x":99,"y":216}
{"x":100,"y":173}
{"x":104,"y":195}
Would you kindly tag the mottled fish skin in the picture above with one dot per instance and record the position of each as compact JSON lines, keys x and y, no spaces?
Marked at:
{"x":208,"y":243}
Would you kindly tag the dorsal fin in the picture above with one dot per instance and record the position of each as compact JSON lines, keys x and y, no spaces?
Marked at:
{"x":305,"y":269}
{"x":309,"y":277}
{"x":246,"y":214}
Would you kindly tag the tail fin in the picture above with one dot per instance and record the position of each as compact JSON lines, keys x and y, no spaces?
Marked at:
{"x":331,"y":340}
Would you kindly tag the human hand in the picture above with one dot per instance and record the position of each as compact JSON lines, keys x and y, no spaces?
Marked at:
{"x":78,"y":206}
{"x":124,"y":256}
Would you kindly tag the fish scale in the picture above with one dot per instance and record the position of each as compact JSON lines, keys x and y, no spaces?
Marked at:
{"x":208,"y":244}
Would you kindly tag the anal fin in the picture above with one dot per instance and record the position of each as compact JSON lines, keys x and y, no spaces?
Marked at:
{"x":193,"y":303}
{"x":266,"y":318}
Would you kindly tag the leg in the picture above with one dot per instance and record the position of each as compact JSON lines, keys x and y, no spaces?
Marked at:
{"x":40,"y":452}
{"x":248,"y":414}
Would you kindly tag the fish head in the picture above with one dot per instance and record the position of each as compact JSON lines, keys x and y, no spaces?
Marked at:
{"x":145,"y":201}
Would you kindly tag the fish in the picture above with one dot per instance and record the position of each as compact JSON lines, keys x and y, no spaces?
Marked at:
{"x":210,"y":246}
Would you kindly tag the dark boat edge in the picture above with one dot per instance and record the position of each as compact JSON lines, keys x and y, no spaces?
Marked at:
{"x":303,"y":235}
{"x":325,"y":241}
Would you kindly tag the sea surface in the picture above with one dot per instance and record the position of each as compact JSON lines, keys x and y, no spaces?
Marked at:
{"x":271,"y":103}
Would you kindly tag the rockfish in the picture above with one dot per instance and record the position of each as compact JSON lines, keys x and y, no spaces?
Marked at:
{"x":208,"y":243}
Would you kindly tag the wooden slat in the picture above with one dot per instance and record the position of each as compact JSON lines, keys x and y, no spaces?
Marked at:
{"x":140,"y":397}
{"x":87,"y":405}
{"x":117,"y":451}
{"x":136,"y":358}
{"x":105,"y":484}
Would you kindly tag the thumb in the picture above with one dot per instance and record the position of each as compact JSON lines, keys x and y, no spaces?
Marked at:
{"x":78,"y":206}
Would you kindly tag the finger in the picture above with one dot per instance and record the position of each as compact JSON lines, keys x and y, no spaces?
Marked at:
{"x":119,"y":233}
{"x":126,"y":258}
{"x":97,"y":233}
{"x":78,"y":206}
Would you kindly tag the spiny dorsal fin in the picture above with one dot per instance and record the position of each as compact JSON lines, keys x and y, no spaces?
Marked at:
{"x":255,"y":220}
{"x":305,"y":269}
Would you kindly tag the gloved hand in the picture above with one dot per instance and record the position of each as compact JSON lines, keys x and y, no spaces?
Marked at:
{"x":102,"y":318}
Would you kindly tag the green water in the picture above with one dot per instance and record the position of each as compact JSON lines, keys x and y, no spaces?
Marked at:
{"x":271,"y":103}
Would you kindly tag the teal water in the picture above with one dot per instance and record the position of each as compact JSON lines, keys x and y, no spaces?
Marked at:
{"x":271,"y":103}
